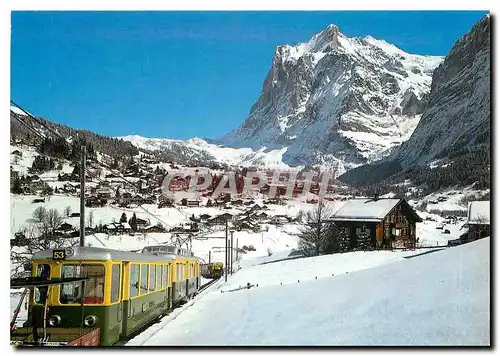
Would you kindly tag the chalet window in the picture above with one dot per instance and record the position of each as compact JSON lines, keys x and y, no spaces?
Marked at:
{"x":394,"y":231}
{"x":358,"y":231}
{"x":347,"y":231}
{"x":398,"y":232}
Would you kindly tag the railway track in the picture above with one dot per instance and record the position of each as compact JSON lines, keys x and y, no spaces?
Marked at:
{"x":170,"y":314}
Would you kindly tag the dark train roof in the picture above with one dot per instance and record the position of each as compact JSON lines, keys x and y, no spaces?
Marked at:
{"x":104,"y":254}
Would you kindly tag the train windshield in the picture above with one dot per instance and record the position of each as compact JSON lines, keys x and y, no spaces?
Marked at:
{"x":94,"y":286}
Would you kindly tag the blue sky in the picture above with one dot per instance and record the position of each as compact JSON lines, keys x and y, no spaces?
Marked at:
{"x":181,"y":74}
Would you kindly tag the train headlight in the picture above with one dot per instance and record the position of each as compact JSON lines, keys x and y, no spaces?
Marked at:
{"x":90,"y":320}
{"x":54,"y":320}
{"x":69,"y":252}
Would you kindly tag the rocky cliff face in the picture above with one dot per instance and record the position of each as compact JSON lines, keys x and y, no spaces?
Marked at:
{"x":458,"y":111}
{"x":337,"y":101}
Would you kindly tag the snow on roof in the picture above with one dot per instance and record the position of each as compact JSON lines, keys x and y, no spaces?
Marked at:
{"x":478,"y":212}
{"x":366,"y":209}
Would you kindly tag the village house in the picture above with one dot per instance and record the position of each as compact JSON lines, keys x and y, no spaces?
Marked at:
{"x":95,"y":202}
{"x":204,"y":217}
{"x":65,"y":227}
{"x":153,"y":229}
{"x":387,"y":223}
{"x":255,"y":207}
{"x":142,"y":223}
{"x":279,"y":220}
{"x":478,"y":219}
{"x":220,"y":219}
{"x":104,"y":193}
{"x":261,"y":216}
{"x":246,"y":225}
{"x":69,"y":188}
{"x":190,"y":203}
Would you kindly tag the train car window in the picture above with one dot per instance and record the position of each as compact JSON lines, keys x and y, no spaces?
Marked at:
{"x":152,"y":269}
{"x":158,"y":276}
{"x":165,"y":276}
{"x":134,"y":280}
{"x":115,"y":283}
{"x":42,"y":271}
{"x":94,"y":286}
{"x":144,"y":279}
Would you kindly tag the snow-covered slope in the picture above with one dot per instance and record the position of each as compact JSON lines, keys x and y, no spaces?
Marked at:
{"x":337,"y":101}
{"x":201,"y":149}
{"x":441,"y":298}
{"x":458,"y":114}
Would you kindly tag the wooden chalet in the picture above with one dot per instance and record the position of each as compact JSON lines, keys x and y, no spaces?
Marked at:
{"x":387,"y":223}
{"x":104,"y":193}
{"x":153,"y":229}
{"x":205,"y":217}
{"x":220,"y":219}
{"x":65,"y":227}
{"x":478,"y":219}
{"x":142,"y":223}
{"x":193,"y":203}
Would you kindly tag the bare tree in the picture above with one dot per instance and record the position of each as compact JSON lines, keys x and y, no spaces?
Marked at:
{"x":41,"y":235}
{"x":314,"y":235}
{"x":39,"y":214}
{"x":53,"y":220}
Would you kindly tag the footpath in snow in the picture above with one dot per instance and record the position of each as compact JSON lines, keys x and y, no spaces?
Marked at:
{"x":440,"y":298}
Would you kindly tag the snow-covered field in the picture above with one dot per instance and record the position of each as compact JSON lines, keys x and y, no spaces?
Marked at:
{"x":441,"y":298}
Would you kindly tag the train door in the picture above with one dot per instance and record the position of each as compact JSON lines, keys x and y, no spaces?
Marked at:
{"x":123,"y":308}
{"x":116,"y":296}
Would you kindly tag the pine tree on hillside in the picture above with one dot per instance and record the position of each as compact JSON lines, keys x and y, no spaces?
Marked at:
{"x":123,"y":218}
{"x":133,"y":223}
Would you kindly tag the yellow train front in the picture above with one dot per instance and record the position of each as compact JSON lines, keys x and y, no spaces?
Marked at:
{"x":123,"y":292}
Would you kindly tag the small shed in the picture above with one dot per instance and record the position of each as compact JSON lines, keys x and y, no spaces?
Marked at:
{"x":478,"y":219}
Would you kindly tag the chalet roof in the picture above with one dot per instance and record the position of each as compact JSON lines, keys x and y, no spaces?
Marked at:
{"x":478,"y":212}
{"x":369,"y":210}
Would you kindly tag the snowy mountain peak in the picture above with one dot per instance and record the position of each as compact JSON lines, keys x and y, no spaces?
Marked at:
{"x":337,"y":100}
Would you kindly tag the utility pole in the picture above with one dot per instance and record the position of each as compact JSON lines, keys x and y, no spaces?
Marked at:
{"x":82,"y":196}
{"x":226,"y":269}
{"x":232,"y":246}
{"x":209,"y":256}
{"x":236,"y":249}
